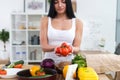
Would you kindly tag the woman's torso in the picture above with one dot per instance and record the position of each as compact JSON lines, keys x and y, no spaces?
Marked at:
{"x":57,"y":36}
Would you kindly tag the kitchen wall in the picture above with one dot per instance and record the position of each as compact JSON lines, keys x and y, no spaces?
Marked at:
{"x":98,"y":17}
{"x":6,"y":8}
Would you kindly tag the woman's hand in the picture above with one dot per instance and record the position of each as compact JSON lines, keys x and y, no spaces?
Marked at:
{"x":76,"y":50}
{"x":63,"y":50}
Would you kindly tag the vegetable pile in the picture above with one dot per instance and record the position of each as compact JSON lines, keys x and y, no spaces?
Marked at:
{"x":17,"y":64}
{"x":37,"y":71}
{"x":63,"y":50}
{"x":83,"y":72}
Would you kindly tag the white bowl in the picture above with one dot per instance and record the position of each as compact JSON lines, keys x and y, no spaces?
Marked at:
{"x":11,"y":73}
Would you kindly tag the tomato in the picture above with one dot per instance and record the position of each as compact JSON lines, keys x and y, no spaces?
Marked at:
{"x":57,"y":50}
{"x":69,"y":48}
{"x":3,"y":72}
{"x":40,"y":73}
{"x":64,"y":44}
{"x":18,"y":66}
{"x":64,"y":49}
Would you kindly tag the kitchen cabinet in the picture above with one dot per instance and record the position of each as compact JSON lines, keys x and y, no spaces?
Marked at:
{"x":24,"y":41}
{"x":24,"y":34}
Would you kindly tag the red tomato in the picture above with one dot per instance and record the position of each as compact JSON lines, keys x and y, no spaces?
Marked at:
{"x":40,"y":73}
{"x":69,"y":48}
{"x":64,"y":44}
{"x":18,"y":66}
{"x":3,"y":72}
{"x":57,"y":50}
{"x":64,"y":49}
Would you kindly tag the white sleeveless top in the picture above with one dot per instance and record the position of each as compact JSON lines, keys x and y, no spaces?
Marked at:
{"x":56,"y":37}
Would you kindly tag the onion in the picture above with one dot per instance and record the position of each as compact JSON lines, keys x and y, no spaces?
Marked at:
{"x":48,"y":63}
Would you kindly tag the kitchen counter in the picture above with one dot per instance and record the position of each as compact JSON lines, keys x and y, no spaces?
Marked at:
{"x":102,"y":62}
{"x":4,"y":61}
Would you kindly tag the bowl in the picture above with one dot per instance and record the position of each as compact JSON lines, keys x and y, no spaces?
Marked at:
{"x":51,"y":74}
{"x":11,"y":73}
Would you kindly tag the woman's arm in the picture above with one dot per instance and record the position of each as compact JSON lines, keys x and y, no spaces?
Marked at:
{"x":78,"y":36}
{"x":43,"y":36}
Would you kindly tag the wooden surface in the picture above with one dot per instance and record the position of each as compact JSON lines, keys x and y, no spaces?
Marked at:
{"x":117,"y":77}
{"x":4,"y":61}
{"x":102,"y":62}
{"x":103,"y":77}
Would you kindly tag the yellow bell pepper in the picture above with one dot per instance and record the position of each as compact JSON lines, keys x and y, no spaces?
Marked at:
{"x":34,"y":69}
{"x":87,"y":73}
{"x":65,"y":69}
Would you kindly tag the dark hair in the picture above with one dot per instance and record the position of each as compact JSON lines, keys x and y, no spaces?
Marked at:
{"x":69,"y":10}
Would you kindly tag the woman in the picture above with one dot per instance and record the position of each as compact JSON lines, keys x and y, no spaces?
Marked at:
{"x":60,"y":26}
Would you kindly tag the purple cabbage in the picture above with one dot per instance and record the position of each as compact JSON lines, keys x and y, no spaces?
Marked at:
{"x":48,"y":63}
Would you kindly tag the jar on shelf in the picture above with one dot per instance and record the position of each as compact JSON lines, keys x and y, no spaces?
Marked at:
{"x":24,"y":55}
{"x":33,"y":55}
{"x":17,"y":55}
{"x":35,"y":40}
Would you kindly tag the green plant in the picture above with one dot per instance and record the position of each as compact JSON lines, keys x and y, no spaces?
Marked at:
{"x":49,"y":1}
{"x":4,"y":36}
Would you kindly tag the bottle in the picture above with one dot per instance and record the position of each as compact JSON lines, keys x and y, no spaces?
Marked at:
{"x":20,"y":56}
{"x":35,"y":40}
{"x":33,"y":55}
{"x":32,"y":39}
{"x":24,"y":55}
{"x":17,"y":55}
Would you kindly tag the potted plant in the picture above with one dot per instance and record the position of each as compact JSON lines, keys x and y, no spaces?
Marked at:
{"x":49,"y":1}
{"x":4,"y":37}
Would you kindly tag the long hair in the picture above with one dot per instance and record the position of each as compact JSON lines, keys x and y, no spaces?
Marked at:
{"x":69,"y":10}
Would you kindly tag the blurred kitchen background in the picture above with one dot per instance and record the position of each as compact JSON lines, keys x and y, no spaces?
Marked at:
{"x":101,"y":20}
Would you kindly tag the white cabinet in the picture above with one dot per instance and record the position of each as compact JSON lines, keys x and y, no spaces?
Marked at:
{"x":25,"y":43}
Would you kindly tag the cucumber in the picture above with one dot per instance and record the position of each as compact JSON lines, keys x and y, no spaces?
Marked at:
{"x":11,"y":65}
{"x":19,"y":62}
{"x":15,"y":63}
